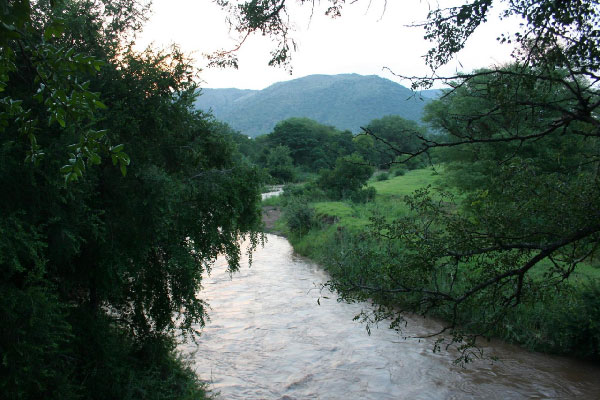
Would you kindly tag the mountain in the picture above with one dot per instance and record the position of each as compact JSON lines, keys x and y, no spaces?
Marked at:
{"x":346,"y":101}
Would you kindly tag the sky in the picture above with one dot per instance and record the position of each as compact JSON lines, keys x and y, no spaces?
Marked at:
{"x":363,"y":41}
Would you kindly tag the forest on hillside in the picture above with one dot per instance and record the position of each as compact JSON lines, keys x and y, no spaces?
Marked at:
{"x":345,"y":101}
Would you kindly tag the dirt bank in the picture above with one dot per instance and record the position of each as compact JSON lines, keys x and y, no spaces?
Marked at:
{"x":270,"y":215}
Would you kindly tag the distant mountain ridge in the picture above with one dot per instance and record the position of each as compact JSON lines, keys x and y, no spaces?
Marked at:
{"x":346,"y":101}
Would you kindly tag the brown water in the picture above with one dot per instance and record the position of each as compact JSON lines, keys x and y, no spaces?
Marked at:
{"x":269,"y":339}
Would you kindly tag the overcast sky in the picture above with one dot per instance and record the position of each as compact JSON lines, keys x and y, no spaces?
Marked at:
{"x":363,"y":41}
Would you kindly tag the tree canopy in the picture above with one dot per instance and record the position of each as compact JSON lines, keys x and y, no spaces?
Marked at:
{"x":515,"y":220}
{"x":117,"y":196}
{"x":312,"y":145}
{"x":347,"y":179}
{"x":391,"y":136}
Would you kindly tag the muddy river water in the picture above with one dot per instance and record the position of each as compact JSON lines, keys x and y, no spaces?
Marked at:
{"x":269,"y":339}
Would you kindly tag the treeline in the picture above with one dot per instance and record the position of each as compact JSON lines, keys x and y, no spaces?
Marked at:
{"x":301,"y":149}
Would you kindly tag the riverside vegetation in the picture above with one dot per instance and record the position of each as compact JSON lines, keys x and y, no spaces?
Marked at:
{"x":117,"y":196}
{"x":337,"y":233}
{"x":503,"y":243}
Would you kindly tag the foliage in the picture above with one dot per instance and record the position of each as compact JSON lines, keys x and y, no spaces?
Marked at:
{"x":299,"y":216}
{"x":523,"y":144}
{"x":398,"y":171}
{"x":384,"y":176}
{"x":363,"y":195}
{"x":308,"y":190}
{"x":245,"y":145}
{"x":475,"y":254}
{"x":496,"y":119}
{"x":560,"y":34}
{"x":347,"y":178}
{"x":312,"y":145}
{"x":562,"y":321}
{"x":362,"y":267}
{"x":280,"y":164}
{"x":471,"y":258}
{"x":36,"y":48}
{"x":99,"y":275}
{"x":394,"y":140}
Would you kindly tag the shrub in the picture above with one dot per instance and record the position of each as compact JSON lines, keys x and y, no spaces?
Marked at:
{"x":384,"y":176}
{"x":307,"y":192}
{"x":349,"y":175}
{"x":399,"y":171}
{"x":280,"y":165}
{"x":363,"y":195}
{"x":300,"y":217}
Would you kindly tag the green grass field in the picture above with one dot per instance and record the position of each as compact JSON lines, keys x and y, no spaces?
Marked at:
{"x":400,"y":186}
{"x":389,"y":202}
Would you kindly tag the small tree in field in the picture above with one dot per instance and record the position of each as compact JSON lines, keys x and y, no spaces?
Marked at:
{"x":347,"y":178}
{"x":280,"y":164}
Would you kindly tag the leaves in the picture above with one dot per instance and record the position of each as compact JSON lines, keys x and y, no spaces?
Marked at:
{"x":116,"y":259}
{"x":60,"y":76}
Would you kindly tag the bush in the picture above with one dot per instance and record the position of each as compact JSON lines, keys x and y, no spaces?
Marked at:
{"x":282,"y":174}
{"x":280,"y":165}
{"x":363,"y":195}
{"x":299,"y":216}
{"x":417,"y":162}
{"x":384,"y":176}
{"x":306,"y":192}
{"x":349,"y":175}
{"x":563,"y":323}
{"x":399,"y":171}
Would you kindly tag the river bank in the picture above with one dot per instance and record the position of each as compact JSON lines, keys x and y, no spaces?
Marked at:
{"x":558,"y":322}
{"x":270,"y":215}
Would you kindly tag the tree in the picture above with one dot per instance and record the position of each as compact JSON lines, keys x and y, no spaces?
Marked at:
{"x":506,"y":118}
{"x":347,"y":179}
{"x":34,"y":49}
{"x":311,"y":144}
{"x":247,"y":146}
{"x":99,"y":275}
{"x":280,"y":164}
{"x":494,"y":239}
{"x":393,"y":135}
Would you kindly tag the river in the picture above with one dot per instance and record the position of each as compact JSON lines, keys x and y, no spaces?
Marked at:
{"x":268,"y":338}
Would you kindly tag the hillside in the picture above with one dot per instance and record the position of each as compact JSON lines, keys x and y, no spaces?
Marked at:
{"x":345,"y":101}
